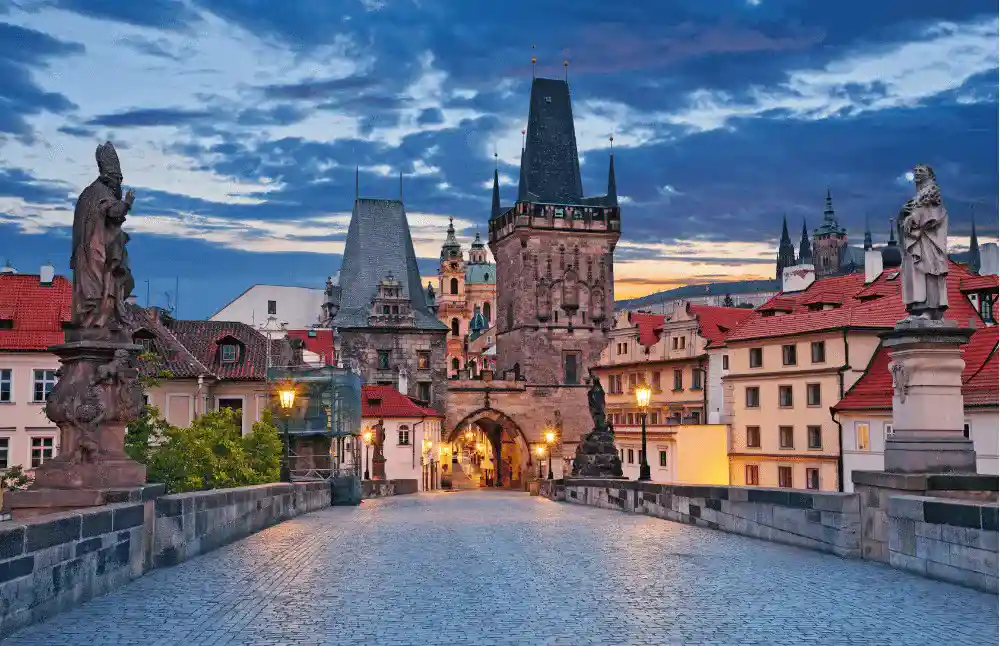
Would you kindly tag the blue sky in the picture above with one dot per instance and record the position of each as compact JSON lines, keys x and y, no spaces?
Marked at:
{"x":240,"y":122}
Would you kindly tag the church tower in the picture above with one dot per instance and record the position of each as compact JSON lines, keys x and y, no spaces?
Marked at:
{"x":786,"y":252}
{"x":554,"y":250}
{"x":805,"y":249}
{"x":828,"y":240}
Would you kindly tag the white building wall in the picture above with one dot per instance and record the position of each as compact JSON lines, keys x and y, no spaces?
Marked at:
{"x":715,"y":392}
{"x":297,"y":307}
{"x":406,"y":461}
{"x":22,"y":418}
{"x":982,"y":432}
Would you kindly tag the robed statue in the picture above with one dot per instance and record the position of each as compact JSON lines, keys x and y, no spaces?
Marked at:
{"x":923,"y":232}
{"x":595,"y":401}
{"x":102,"y":279}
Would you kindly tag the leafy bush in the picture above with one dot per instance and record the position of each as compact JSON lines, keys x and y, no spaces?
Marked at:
{"x":212,"y":454}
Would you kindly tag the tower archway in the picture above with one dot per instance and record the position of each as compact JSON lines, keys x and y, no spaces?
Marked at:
{"x":492,"y":449}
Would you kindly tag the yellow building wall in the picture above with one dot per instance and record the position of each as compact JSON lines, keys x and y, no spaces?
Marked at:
{"x":702,"y":457}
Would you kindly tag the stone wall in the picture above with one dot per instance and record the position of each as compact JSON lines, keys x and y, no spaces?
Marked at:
{"x":877,"y":487}
{"x":189,"y":524}
{"x":403,"y":345}
{"x":822,"y":521}
{"x":386,"y":488}
{"x":53,"y":562}
{"x":951,"y":540}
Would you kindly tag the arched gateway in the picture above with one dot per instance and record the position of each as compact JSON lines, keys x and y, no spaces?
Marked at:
{"x":491,"y":449}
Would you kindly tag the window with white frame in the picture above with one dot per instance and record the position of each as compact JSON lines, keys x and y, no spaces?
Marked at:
{"x":44,"y":380}
{"x":663,"y":459}
{"x":404,"y":436}
{"x":6,"y":385}
{"x":42,"y":449}
{"x":230,"y":353}
{"x":4,"y":452}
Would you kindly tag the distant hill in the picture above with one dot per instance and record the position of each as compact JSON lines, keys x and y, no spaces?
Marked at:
{"x":706,"y":289}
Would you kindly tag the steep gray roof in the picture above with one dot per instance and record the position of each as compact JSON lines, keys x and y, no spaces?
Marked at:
{"x":378,"y":242}
{"x":552,"y":162}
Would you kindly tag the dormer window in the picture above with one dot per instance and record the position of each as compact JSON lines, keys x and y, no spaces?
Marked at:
{"x":229,"y":352}
{"x":145,"y":339}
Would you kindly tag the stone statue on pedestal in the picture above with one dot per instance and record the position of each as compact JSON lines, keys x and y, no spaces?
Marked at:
{"x":923,"y":232}
{"x":98,"y":392}
{"x":596,"y":455}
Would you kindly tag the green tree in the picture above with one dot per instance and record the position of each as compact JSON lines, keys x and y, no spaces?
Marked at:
{"x":146,"y":431}
{"x":212,"y":454}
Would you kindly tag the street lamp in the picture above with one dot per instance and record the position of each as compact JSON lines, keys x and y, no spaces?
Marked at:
{"x":541,"y":451}
{"x":642,"y":394}
{"x":286,"y":399}
{"x":367,"y":437}
{"x":550,"y":439}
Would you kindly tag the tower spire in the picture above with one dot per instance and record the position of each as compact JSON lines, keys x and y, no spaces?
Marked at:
{"x":533,"y":61}
{"x":786,"y":252}
{"x":805,"y":248}
{"x":496,"y":193}
{"x":868,"y":234}
{"x":612,"y":185}
{"x":975,"y":260}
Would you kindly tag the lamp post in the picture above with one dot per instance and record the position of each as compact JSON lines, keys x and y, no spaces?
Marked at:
{"x":367,"y":437}
{"x":642,"y":394}
{"x":550,"y":440}
{"x":541,"y":451}
{"x":286,"y":399}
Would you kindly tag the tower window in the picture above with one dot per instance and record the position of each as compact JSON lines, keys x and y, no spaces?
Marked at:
{"x":454,"y":327}
{"x":486,"y":311}
{"x":454,"y":286}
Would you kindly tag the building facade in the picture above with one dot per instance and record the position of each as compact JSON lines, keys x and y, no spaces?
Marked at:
{"x":383,"y":325}
{"x":412,"y":448}
{"x":287,"y":306}
{"x":796,"y":357}
{"x":865,"y":412}
{"x":464,"y":287}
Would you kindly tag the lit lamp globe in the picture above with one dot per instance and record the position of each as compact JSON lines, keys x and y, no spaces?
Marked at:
{"x":367,"y":437}
{"x":642,"y":395}
{"x":550,"y":437}
{"x":286,"y":398}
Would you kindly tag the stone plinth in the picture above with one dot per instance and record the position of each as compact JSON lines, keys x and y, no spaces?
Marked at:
{"x":927,"y":406}
{"x":597,"y":456}
{"x":97,"y":395}
{"x":378,"y":468}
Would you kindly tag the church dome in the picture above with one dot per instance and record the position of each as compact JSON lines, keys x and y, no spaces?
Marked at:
{"x":891,"y":255}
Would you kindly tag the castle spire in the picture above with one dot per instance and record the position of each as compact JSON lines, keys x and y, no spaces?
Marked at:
{"x":786,"y":252}
{"x":828,"y":213}
{"x":496,"y":194}
{"x":975,"y":260}
{"x":805,"y":248}
{"x":868,"y":234}
{"x":451,"y":249}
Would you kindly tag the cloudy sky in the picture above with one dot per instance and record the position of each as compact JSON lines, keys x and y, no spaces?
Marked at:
{"x":239,"y":124}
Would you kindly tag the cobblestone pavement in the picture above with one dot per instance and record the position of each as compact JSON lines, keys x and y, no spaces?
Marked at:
{"x":491,"y":568}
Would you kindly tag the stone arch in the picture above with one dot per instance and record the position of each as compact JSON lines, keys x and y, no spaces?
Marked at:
{"x":502,"y":425}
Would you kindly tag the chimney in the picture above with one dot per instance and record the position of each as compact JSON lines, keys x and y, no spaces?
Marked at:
{"x":47,"y":273}
{"x":797,"y":278}
{"x":403,"y":382}
{"x":873,"y":265}
{"x":988,"y":263}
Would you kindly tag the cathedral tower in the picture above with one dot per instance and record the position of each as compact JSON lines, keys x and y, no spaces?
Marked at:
{"x":554,"y":251}
{"x":786,"y":252}
{"x":828,"y":240}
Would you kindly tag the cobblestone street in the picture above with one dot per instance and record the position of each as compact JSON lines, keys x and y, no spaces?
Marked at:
{"x":489,"y":568}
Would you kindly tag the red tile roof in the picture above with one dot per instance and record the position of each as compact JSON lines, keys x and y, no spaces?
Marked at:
{"x":387,"y":402}
{"x":37,"y":312}
{"x":980,"y":283}
{"x":979,"y":379}
{"x":714,"y":323}
{"x":318,"y":341}
{"x":204,"y":340}
{"x":878,"y":305}
{"x":650,"y":326}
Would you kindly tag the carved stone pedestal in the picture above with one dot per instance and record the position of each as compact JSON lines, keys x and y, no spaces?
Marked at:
{"x":927,"y":407}
{"x":378,"y":468}
{"x":96,"y":396}
{"x":597,"y":456}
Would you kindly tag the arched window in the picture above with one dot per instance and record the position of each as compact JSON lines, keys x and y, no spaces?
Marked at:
{"x":404,"y":435}
{"x":454,"y":327}
{"x":486,"y":312}
{"x":454,"y":286}
{"x":454,"y":364}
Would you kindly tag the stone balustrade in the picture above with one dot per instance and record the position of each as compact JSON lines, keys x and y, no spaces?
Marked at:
{"x":52,"y":562}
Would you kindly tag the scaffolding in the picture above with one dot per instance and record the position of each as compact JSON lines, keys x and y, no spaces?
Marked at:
{"x":324,"y":426}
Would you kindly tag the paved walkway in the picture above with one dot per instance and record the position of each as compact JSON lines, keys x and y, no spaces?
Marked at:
{"x":486,"y":568}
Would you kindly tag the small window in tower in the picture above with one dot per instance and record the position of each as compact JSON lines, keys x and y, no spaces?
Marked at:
{"x":454,"y":286}
{"x":454,"y":327}
{"x":486,"y":312}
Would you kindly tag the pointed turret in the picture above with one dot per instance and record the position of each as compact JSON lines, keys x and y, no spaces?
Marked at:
{"x":975,"y":260}
{"x":786,"y":252}
{"x":496,"y":194}
{"x":451,"y":250}
{"x":522,"y":183}
{"x":550,"y":165}
{"x":805,"y":248}
{"x":612,"y":185}
{"x":868,"y":234}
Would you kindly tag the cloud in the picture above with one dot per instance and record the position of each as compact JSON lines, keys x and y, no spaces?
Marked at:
{"x":940,"y":59}
{"x":162,"y":14}
{"x":314,"y":90}
{"x":149,"y":117}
